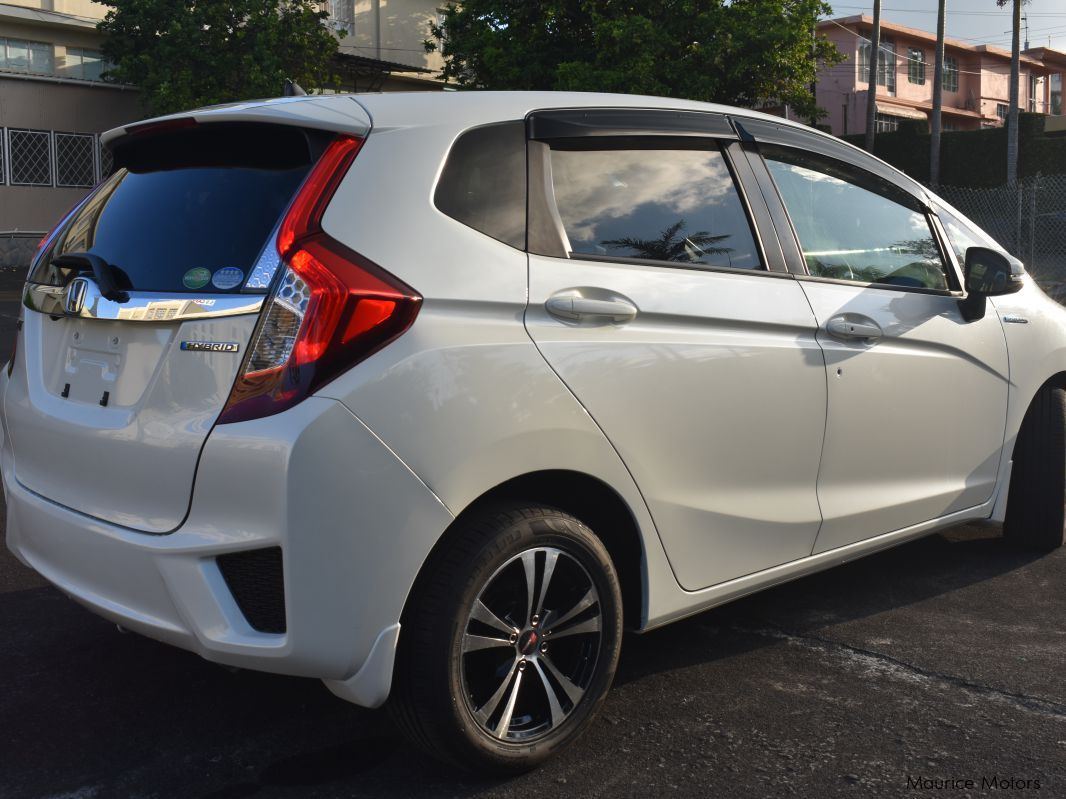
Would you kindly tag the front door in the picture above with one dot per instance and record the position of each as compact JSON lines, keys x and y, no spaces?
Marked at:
{"x":917,"y":395}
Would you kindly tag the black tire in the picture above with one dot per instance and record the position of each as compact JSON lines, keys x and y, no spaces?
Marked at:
{"x":1036,"y":504}
{"x":439,"y":689}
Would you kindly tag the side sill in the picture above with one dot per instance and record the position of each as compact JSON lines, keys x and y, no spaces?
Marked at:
{"x":742,"y":586}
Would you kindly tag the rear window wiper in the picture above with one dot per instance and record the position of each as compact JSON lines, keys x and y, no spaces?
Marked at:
{"x":105,"y":279}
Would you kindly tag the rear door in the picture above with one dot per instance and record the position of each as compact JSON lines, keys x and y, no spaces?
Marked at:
{"x":114,"y":395}
{"x":681,"y":334}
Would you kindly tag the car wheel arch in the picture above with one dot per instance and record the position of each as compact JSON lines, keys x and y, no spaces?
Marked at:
{"x":590,"y":500}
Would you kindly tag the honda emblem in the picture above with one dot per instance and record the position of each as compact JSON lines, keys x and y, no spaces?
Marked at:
{"x":75,"y":299}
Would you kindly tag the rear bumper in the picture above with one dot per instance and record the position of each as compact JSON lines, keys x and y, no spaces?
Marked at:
{"x":354,"y":525}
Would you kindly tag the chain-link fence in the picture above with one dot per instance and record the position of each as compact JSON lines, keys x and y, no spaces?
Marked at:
{"x":1029,"y":220}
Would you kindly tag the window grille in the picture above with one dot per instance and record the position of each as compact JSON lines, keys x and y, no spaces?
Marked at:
{"x":31,"y":157}
{"x":74,"y":160}
{"x":107,"y":162}
{"x":3,"y":160}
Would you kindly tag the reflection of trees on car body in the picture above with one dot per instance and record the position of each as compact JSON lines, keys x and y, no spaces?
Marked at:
{"x":672,"y":245}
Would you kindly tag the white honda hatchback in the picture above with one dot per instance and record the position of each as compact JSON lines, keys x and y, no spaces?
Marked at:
{"x":429,"y":396}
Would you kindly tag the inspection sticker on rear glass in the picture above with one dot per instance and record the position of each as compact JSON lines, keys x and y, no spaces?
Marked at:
{"x":227,"y":277}
{"x":196,"y":278}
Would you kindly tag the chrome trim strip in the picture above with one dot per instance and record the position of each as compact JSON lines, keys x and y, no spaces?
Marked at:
{"x":142,"y":306}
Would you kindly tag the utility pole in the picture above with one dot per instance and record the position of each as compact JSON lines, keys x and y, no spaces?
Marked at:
{"x":938,"y":76}
{"x":871,"y":95}
{"x":1012,"y":114}
{"x":814,"y":79}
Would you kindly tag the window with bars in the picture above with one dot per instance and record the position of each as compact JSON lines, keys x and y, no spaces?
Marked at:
{"x":75,"y":163}
{"x":1032,"y":93}
{"x":107,"y":162}
{"x":949,"y":79}
{"x":31,"y":157}
{"x":52,"y":158}
{"x":1002,"y":109}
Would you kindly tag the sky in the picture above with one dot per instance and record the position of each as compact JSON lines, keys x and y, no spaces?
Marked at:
{"x":972,"y":21}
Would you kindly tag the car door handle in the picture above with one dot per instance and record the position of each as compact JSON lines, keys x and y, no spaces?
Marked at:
{"x":575,"y":308}
{"x":842,"y":327}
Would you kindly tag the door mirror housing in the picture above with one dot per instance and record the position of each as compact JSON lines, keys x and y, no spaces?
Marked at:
{"x":989,"y":273}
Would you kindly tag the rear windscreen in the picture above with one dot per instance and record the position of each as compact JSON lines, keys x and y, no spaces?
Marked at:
{"x":187,"y":211}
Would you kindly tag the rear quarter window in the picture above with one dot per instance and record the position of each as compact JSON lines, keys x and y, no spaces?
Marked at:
{"x":483,"y":184}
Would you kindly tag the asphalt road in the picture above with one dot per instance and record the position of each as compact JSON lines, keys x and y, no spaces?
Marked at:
{"x":941,"y":660}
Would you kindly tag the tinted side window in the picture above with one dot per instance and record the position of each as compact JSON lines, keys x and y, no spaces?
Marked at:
{"x":674,"y":205}
{"x":853,"y":225}
{"x":483,"y":184}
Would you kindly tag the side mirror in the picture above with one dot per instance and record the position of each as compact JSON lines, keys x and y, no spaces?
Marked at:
{"x":989,"y":273}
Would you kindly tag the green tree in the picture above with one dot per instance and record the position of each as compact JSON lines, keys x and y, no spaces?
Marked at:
{"x":740,"y":52}
{"x":189,"y":53}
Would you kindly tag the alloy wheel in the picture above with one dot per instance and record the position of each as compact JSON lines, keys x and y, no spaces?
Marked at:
{"x":530,"y":645}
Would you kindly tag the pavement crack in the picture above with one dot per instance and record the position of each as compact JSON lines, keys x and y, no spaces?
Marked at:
{"x":899,"y":668}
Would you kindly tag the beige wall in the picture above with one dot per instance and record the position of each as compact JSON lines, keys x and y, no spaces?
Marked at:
{"x":403,"y":26}
{"x":65,"y":106}
{"x":62,"y":37}
{"x":44,"y":105}
{"x":80,"y":8}
{"x":35,"y":208}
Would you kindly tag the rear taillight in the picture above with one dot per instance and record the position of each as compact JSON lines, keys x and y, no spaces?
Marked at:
{"x":330,"y":307}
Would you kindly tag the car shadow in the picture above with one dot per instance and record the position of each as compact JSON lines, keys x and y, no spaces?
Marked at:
{"x":889,"y":580}
{"x":122,"y":707}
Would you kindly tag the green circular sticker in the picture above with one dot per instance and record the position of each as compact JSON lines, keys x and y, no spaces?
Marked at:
{"x":196,"y":278}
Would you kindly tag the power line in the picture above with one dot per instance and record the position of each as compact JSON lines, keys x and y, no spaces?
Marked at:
{"x":893,"y":52}
{"x":964,"y":13}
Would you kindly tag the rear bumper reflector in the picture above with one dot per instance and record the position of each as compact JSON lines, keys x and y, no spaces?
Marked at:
{"x":256,"y":580}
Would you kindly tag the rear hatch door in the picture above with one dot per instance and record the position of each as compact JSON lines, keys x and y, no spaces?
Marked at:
{"x":109,"y":407}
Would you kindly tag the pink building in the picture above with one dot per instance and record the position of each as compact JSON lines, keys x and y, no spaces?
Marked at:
{"x":976,"y":81}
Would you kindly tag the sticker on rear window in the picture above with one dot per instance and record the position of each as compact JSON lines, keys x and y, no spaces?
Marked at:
{"x":227,"y":277}
{"x":196,"y":278}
